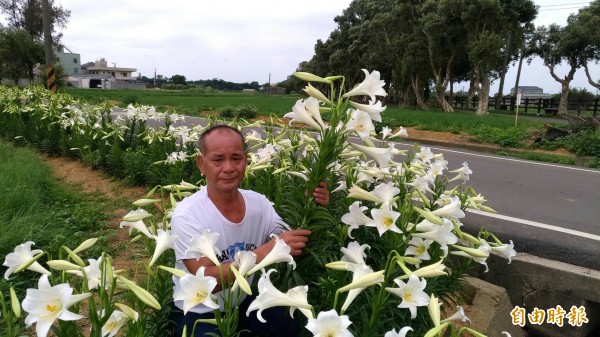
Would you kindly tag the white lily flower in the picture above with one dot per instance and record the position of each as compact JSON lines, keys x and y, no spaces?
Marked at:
{"x":361,"y":123}
{"x":362,"y":276}
{"x":301,"y":114}
{"x":462,"y":173}
{"x":359,"y":193}
{"x":164,"y":240}
{"x":419,"y":247}
{"x":387,"y":192}
{"x":458,"y":315}
{"x":384,"y":219}
{"x":382,"y":156}
{"x":138,"y":225}
{"x":47,"y":303}
{"x":85,"y":245}
{"x":115,"y":322}
{"x":355,"y":218}
{"x":196,"y":290}
{"x":506,"y":250}
{"x":452,"y":210}
{"x":478,"y":255}
{"x":442,"y":235}
{"x":400,"y":133}
{"x":385,"y":132}
{"x":373,"y":109}
{"x":371,"y":86}
{"x":422,"y":183}
{"x":269,"y":296}
{"x":253,"y":136}
{"x":245,"y":260}
{"x":340,"y":187}
{"x":329,"y":323}
{"x":316,"y":93}
{"x":355,"y":253}
{"x":424,"y":155}
{"x":204,"y":245}
{"x":432,"y":270}
{"x":401,"y":333}
{"x":21,"y":255}
{"x":434,"y":310}
{"x":136,"y":215}
{"x":279,"y":253}
{"x":412,"y":293}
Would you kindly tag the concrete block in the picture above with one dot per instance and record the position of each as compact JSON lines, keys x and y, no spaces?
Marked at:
{"x":490,"y":309}
{"x":534,"y":282}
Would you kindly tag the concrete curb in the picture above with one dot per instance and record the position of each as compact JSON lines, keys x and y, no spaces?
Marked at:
{"x":534,"y":282}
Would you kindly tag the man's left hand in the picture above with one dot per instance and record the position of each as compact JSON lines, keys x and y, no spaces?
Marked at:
{"x":321,"y":194}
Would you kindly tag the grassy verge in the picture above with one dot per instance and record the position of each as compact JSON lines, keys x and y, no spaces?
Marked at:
{"x":34,"y":207}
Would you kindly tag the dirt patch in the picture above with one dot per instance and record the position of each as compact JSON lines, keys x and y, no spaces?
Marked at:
{"x":74,"y":173}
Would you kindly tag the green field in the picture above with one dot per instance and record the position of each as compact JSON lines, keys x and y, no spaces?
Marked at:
{"x":192,"y":103}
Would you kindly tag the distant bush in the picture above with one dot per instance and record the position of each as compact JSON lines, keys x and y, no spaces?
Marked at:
{"x":246,"y":111}
{"x":227,"y":111}
{"x":131,"y":99}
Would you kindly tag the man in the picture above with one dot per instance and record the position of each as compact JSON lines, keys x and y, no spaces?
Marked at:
{"x":244,"y":220}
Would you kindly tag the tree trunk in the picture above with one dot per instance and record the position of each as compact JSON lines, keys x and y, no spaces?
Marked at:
{"x":484,"y":96}
{"x":563,"y":106}
{"x":441,"y":99}
{"x":418,"y":90}
{"x":590,"y":80}
{"x":473,"y":84}
{"x":503,"y":73}
{"x":521,"y":58}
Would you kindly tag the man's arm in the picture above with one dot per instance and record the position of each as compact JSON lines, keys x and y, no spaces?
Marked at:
{"x":296,"y":239}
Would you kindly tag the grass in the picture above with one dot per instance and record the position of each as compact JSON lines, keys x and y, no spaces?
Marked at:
{"x":186,"y":102}
{"x":34,"y":207}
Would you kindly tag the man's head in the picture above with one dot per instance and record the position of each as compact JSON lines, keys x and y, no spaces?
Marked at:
{"x":223,"y":157}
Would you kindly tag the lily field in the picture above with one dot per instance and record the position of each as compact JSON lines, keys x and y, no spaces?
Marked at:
{"x":386,"y":257}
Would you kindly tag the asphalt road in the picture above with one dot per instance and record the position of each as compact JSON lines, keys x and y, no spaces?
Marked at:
{"x":547,"y":210}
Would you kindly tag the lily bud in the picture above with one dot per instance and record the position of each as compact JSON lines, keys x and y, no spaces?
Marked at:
{"x":310,"y":77}
{"x":85,"y":245}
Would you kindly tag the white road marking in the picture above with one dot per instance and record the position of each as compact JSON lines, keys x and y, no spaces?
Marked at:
{"x":537,"y":224}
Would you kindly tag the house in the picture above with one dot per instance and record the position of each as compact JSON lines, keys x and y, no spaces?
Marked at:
{"x":70,"y":62}
{"x":531,"y":92}
{"x":101,"y":67}
{"x":99,"y":75}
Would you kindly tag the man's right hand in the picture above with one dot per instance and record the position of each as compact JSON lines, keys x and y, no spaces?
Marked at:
{"x":296,"y":239}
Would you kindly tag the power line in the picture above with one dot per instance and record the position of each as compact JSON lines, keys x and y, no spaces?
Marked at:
{"x":559,"y":9}
{"x":567,"y":4}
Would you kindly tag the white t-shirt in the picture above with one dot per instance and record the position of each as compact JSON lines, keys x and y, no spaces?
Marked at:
{"x":197,"y":212}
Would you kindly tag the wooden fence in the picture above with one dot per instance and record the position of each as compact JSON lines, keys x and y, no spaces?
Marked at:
{"x":548,"y":106}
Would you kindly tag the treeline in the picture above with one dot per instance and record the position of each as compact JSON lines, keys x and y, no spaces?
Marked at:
{"x":426,"y":45}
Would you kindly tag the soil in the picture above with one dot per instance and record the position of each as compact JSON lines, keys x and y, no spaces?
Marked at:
{"x":89,"y":181}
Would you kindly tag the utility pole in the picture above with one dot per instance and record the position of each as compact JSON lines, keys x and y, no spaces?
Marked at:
{"x":155,"y":77}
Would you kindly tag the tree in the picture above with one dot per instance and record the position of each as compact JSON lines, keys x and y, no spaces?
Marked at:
{"x":444,"y":35}
{"x":178,"y":79}
{"x":586,"y":25}
{"x":18,"y":52}
{"x":27,"y":15}
{"x":555,"y":45}
{"x":518,"y":16}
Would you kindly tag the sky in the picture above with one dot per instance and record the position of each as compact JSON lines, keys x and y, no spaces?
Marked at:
{"x":241,"y":40}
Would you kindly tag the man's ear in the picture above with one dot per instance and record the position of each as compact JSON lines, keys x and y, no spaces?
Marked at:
{"x":199,"y":162}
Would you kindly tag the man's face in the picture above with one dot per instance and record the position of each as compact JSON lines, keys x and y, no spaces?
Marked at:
{"x":224,"y":160}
